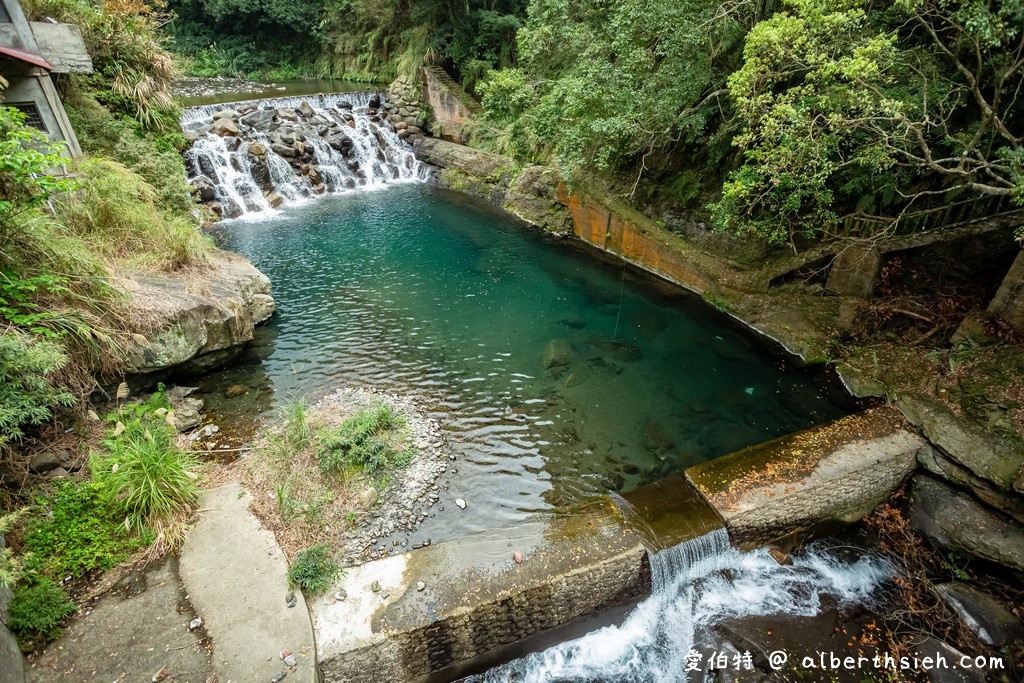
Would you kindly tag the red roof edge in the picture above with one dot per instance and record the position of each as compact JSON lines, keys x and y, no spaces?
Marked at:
{"x":26,"y":56}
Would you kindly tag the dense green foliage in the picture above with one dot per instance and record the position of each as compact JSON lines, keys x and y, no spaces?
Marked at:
{"x":854,"y":106}
{"x":371,"y":440}
{"x":27,"y":390}
{"x":837,"y":108}
{"x":132,"y":71}
{"x":362,"y":39}
{"x":314,"y":570}
{"x":35,"y":613}
{"x":601,"y":86}
{"x":74,"y":531}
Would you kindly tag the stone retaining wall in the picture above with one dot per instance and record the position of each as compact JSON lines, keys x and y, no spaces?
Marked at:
{"x":477,"y":604}
{"x":452,"y":108}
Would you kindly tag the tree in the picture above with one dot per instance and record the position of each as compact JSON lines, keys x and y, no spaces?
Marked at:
{"x":853,"y":106}
{"x":607,"y":86}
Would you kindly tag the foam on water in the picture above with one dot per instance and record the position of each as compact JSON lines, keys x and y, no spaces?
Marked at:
{"x":696,"y":585}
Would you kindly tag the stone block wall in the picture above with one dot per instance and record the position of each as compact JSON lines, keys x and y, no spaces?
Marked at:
{"x":409,"y":114}
{"x":12,"y":664}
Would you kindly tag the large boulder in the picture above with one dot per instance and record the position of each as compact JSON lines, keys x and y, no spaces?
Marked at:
{"x":956,"y":521}
{"x":834,"y":473}
{"x":985,"y":454}
{"x":985,"y":616}
{"x":212,"y":311}
{"x":473,"y":162}
{"x":260,"y":119}
{"x":224,"y":127}
{"x":204,"y":188}
{"x":284,"y":150}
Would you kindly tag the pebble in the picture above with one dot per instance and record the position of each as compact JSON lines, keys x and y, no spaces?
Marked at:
{"x":385,"y":596}
{"x":461,"y":503}
{"x":420,"y":585}
{"x":161,"y":675}
{"x":278,"y":677}
{"x":340,"y":595}
{"x":195,"y":623}
{"x":518,"y":557}
{"x":375,"y":586}
{"x":290,"y":599}
{"x":289,"y":660}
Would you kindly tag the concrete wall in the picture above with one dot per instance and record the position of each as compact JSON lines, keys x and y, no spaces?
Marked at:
{"x":828,"y":475}
{"x":62,"y":46}
{"x":450,"y":105}
{"x":478,"y":606}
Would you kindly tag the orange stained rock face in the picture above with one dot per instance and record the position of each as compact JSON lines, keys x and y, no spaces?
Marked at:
{"x":599,"y":226}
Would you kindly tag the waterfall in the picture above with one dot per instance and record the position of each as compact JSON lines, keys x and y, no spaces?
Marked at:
{"x":250,"y":157}
{"x":695,"y":557}
{"x":696,"y":585}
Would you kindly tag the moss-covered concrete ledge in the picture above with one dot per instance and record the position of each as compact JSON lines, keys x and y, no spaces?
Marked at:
{"x":834,"y":473}
{"x":199,"y":318}
{"x":477,"y":605}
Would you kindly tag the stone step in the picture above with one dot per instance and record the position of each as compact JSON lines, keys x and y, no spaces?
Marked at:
{"x":236,"y":577}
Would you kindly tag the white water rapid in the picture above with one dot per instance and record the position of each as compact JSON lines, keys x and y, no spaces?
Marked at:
{"x":696,"y":585}
{"x":248,"y":158}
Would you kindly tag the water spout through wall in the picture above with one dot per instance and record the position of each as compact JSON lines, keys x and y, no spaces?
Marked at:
{"x":696,"y":585}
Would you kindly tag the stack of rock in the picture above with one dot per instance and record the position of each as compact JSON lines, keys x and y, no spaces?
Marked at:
{"x":406,"y":109}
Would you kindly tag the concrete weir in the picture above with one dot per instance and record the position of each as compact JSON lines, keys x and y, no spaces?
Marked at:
{"x":454,"y":608}
{"x":450,"y":609}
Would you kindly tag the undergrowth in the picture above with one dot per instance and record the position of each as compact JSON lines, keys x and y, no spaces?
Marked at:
{"x":142,"y":490}
{"x":141,"y":471}
{"x":36,"y":612}
{"x":318,"y":472}
{"x":314,"y":570}
{"x":370,"y":440}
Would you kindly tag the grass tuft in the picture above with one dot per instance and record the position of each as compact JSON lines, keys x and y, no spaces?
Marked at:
{"x":314,"y":570}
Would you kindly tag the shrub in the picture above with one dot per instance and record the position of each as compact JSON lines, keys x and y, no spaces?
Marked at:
{"x":314,"y":570}
{"x":36,"y":611}
{"x":27,"y":390}
{"x":157,"y":158}
{"x":142,"y":473}
{"x":118,"y":212}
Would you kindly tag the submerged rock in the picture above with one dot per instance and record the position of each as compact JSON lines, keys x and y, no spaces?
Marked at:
{"x":559,"y":353}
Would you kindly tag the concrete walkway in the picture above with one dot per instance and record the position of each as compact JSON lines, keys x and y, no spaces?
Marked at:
{"x":236,"y":577}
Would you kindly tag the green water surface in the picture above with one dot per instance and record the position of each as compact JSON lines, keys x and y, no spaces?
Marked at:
{"x":556,"y":375}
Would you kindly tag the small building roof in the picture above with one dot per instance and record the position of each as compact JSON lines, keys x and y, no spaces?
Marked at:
{"x":25,"y":56}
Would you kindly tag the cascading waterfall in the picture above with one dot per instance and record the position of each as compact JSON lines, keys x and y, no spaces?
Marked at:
{"x":248,"y":158}
{"x":696,"y":584}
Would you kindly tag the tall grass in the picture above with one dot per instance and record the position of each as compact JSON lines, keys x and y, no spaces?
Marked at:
{"x":370,"y":440}
{"x":116,"y":210}
{"x":142,"y":472}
